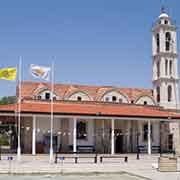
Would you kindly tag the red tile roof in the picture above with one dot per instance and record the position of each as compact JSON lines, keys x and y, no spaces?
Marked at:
{"x":93,"y":109}
{"x":30,"y":88}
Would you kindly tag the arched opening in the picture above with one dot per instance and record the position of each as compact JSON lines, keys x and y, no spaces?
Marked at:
{"x":170,"y":67}
{"x":39,"y":97}
{"x":107,"y":99}
{"x":169,"y":93}
{"x":158,"y":42}
{"x":166,"y":22}
{"x":79,"y":98}
{"x":45,"y":94}
{"x":145,"y":100}
{"x":120,"y":100}
{"x":168,"y":40}
{"x":114,"y":98}
{"x":158,"y":69}
{"x":166,"y":67}
{"x":158,"y":94}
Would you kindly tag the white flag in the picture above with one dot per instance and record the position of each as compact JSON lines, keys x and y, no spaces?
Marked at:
{"x":40,"y":72}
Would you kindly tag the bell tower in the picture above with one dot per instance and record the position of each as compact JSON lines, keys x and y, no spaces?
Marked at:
{"x":165,"y":73}
{"x":165,"y":62}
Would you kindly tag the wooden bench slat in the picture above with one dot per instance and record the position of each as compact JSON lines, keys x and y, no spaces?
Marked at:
{"x":111,"y":156}
{"x":76,"y":156}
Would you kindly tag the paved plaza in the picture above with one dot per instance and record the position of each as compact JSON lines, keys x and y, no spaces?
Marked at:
{"x":39,"y":164}
{"x":120,"y":176}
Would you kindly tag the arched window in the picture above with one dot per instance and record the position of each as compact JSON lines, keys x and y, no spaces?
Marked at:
{"x":120,"y":100}
{"x":158,"y":69}
{"x":158,"y":42}
{"x":79,"y":98}
{"x":47,"y":96}
{"x":169,"y":93}
{"x":39,"y":97}
{"x":158,"y":94}
{"x":166,"y":22}
{"x":166,"y":67}
{"x":170,"y":67}
{"x":114,"y":98}
{"x":168,"y":40}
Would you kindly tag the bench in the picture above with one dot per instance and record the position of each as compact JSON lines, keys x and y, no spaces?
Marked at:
{"x":112,"y":157}
{"x":75,"y":156}
{"x":144,"y":149}
{"x":93,"y":156}
{"x":156,"y":149}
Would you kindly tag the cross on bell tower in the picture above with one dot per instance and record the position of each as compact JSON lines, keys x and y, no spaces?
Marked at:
{"x":163,"y":10}
{"x":165,"y":62}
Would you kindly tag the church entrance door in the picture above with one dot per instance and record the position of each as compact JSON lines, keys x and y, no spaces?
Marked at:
{"x":119,"y":142}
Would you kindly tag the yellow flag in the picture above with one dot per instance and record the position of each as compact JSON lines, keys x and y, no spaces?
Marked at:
{"x":8,"y":74}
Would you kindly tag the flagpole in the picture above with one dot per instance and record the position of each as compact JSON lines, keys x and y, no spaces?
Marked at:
{"x":52,"y":115}
{"x":19,"y":112}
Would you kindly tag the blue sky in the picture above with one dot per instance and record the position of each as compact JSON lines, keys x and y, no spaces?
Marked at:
{"x":95,"y":42}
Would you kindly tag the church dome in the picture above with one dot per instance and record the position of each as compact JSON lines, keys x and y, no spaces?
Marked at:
{"x":164,"y":15}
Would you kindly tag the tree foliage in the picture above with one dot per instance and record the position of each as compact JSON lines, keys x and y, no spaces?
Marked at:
{"x":8,"y":100}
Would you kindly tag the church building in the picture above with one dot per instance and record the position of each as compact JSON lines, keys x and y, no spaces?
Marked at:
{"x":102,"y":119}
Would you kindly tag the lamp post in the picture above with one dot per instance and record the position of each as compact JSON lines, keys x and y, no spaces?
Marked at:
{"x":0,"y":140}
{"x":160,"y":141}
{"x":0,"y":149}
{"x":137,"y":138}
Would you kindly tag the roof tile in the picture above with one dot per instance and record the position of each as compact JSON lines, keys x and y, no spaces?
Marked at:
{"x":89,"y":108}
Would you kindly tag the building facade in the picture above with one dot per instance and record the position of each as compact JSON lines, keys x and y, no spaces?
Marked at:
{"x":103,"y":119}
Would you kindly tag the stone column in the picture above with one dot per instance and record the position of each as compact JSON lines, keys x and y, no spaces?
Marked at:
{"x":112,"y":136}
{"x":149,"y":137}
{"x":74,"y":135}
{"x":34,"y":136}
{"x":128,"y":135}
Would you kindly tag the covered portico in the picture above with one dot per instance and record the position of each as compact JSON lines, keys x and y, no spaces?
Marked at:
{"x":104,"y":128}
{"x":92,"y":134}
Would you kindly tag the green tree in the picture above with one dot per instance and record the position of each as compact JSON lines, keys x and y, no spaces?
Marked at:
{"x":8,"y":100}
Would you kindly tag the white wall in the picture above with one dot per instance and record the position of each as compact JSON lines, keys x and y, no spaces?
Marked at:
{"x":114,"y":93}
{"x":42,"y":94}
{"x":142,"y":99}
{"x":83,"y":96}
